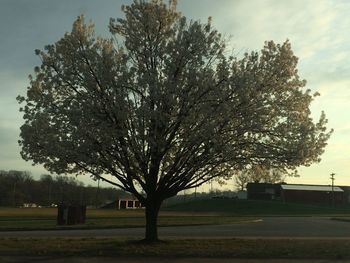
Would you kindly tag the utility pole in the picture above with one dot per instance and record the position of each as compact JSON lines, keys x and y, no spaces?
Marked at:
{"x":97,"y":193}
{"x":332,"y":178}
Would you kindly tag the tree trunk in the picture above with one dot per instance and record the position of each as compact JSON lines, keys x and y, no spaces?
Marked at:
{"x":152,"y":209}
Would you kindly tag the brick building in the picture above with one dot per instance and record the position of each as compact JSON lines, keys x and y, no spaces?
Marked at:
{"x":320,"y":194}
{"x":299,"y":193}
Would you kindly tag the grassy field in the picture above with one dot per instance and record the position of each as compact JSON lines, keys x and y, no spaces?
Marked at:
{"x":218,"y":248}
{"x":258,"y":208}
{"x":45,"y":218}
{"x":200,"y":212}
{"x":193,"y":213}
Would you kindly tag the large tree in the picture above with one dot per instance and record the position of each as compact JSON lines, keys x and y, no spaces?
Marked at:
{"x":258,"y":173}
{"x":161,"y":108}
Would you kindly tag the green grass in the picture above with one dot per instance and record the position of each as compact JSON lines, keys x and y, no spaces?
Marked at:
{"x":257,"y":208}
{"x":45,"y":219}
{"x":200,"y":212}
{"x":219,"y":248}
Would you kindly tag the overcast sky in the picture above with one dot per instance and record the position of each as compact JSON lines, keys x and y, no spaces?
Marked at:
{"x":318,"y":31}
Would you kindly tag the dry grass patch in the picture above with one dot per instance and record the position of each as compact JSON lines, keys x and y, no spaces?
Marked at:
{"x":45,"y":219}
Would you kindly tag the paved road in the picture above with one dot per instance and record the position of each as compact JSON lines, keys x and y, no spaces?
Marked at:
{"x":273,"y":227}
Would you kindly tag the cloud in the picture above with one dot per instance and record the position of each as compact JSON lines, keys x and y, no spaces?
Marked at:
{"x":29,"y":25}
{"x":317,"y":30}
{"x":9,"y":150}
{"x":320,"y":173}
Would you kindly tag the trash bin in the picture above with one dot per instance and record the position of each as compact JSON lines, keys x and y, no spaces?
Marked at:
{"x":71,"y":215}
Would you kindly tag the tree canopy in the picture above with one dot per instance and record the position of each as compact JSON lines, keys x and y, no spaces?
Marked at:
{"x":161,"y":108}
{"x":261,"y":174}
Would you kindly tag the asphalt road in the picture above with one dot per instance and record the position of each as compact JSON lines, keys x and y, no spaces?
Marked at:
{"x":273,"y":227}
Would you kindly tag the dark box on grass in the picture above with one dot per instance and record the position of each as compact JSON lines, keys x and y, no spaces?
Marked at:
{"x":71,"y":215}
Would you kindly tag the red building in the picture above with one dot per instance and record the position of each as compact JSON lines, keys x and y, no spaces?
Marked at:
{"x":299,"y":193}
{"x":322,"y":194}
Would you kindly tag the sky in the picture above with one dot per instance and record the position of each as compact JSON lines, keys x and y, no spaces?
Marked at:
{"x":318,"y":31}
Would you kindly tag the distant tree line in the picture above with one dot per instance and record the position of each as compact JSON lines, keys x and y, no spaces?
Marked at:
{"x":19,"y":187}
{"x":261,"y":174}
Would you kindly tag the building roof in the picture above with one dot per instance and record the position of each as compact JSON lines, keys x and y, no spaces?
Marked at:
{"x":323,"y":188}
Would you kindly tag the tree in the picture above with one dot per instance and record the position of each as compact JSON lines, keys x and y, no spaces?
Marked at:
{"x":13,"y":190}
{"x":162,"y":109}
{"x":261,"y":174}
{"x":46,"y":181}
{"x":241,"y":179}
